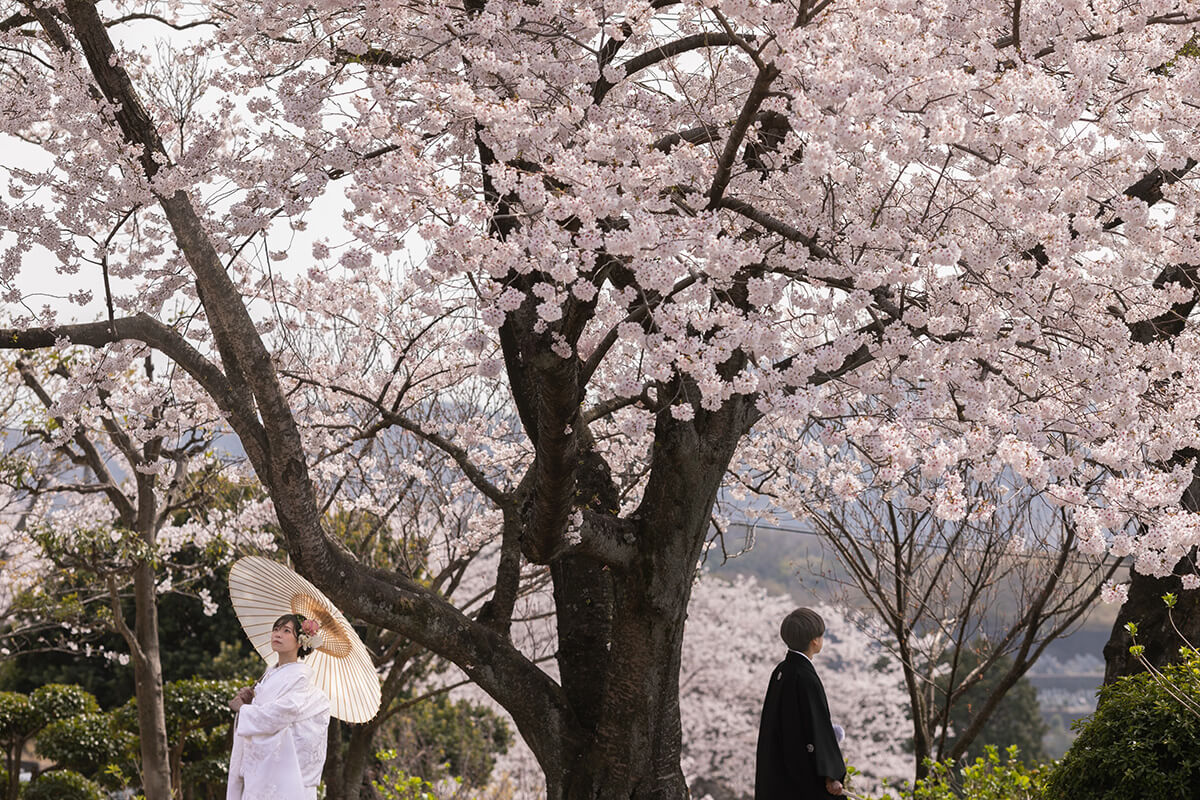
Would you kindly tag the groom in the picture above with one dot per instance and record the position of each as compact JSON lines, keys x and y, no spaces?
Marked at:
{"x":798,"y":754}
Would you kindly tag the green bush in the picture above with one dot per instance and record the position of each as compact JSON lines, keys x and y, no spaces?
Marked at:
{"x":62,"y":784}
{"x":1142,"y":741}
{"x":198,"y":717}
{"x":85,"y":743}
{"x":58,"y":701}
{"x":17,"y":715}
{"x":197,"y":702}
{"x":987,"y":778}
{"x":442,"y":738}
{"x":396,"y":784}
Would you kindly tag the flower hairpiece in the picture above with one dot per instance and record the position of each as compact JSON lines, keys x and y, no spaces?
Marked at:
{"x":308,"y":636}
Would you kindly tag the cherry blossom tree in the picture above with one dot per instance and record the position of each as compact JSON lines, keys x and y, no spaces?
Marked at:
{"x":102,"y":490}
{"x":661,"y":241}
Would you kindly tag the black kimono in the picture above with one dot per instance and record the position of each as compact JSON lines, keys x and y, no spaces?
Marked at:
{"x":797,"y":749}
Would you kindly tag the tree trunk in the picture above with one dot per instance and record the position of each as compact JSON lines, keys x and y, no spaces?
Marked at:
{"x":922,"y":732}
{"x":331,"y":775}
{"x":622,"y":676}
{"x":1145,"y":608}
{"x":148,"y":688}
{"x":178,"y":789}
{"x":355,"y":760}
{"x":12,"y":759}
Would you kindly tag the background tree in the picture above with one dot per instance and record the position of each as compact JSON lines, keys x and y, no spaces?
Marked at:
{"x":616,"y":233}
{"x":22,"y":717}
{"x":109,"y":485}
{"x":1017,"y":721}
{"x":971,"y":576}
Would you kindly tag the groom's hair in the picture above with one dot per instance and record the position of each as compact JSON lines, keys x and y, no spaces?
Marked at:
{"x":800,"y":627}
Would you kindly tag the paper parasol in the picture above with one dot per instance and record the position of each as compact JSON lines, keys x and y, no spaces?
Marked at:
{"x":263,"y":590}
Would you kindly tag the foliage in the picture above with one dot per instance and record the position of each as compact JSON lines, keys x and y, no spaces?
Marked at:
{"x":18,"y":717}
{"x":22,"y":715}
{"x":198,"y":703}
{"x":192,"y":630}
{"x":1185,"y":693}
{"x":103,"y":746}
{"x":108,"y":680}
{"x":442,"y":738}
{"x":86,"y":743}
{"x":396,"y":784}
{"x":1016,"y":722}
{"x":198,"y":715}
{"x":1140,"y":742}
{"x":987,"y":778}
{"x":62,"y":785}
{"x":58,"y":701}
{"x":210,"y":772}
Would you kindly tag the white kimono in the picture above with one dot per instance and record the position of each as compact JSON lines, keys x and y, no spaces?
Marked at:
{"x":279,"y":738}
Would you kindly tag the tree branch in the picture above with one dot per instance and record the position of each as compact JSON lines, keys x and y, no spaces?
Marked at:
{"x":131,"y":640}
{"x":144,"y":328}
{"x":666,"y":51}
{"x":94,"y":460}
{"x":758,"y":93}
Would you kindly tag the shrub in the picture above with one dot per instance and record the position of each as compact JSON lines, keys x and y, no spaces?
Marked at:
{"x":85,"y":743}
{"x":441,"y":738}
{"x":197,"y":703}
{"x":1142,"y":741}
{"x":396,"y":784}
{"x":987,"y":778}
{"x":56,"y":701}
{"x":62,"y":785}
{"x":17,"y":715}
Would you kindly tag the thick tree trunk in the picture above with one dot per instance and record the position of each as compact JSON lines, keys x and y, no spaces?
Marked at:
{"x":1145,"y":608}
{"x":148,"y":688}
{"x":626,"y":694}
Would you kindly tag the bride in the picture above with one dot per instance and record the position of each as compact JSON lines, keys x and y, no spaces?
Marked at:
{"x":282,"y":723}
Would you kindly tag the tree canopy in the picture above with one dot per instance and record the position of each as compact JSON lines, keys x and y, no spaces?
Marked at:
{"x":622,"y":264}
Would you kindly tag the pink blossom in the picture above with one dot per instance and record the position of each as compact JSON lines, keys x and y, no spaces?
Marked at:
{"x":1114,"y":593}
